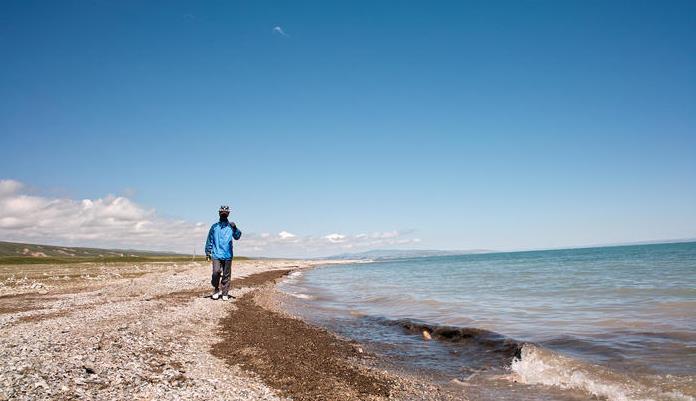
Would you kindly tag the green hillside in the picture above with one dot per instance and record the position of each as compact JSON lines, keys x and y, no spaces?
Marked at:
{"x":20,"y":253}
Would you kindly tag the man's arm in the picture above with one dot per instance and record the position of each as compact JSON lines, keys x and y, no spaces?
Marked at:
{"x":209,"y":242}
{"x":236,"y":233}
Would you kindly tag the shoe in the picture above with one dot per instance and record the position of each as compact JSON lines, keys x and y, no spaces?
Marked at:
{"x":216,"y":295}
{"x":225,"y":298}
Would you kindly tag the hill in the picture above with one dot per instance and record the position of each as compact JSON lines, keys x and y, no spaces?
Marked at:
{"x":22,"y":253}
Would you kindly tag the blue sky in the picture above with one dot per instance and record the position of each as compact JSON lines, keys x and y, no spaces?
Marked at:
{"x":451,"y":125}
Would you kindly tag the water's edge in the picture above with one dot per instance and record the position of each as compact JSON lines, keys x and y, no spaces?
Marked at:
{"x":530,"y":365}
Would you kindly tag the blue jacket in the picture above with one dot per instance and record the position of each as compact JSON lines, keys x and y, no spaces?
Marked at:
{"x":219,"y":243}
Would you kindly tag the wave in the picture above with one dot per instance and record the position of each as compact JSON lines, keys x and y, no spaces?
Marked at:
{"x":300,"y":295}
{"x":534,"y":364}
{"x":538,"y":365}
{"x":293,"y":277}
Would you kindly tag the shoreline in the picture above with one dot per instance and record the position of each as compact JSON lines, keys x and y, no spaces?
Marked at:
{"x":299,"y":360}
{"x":307,"y":362}
{"x":483,"y":364}
{"x":150,"y":331}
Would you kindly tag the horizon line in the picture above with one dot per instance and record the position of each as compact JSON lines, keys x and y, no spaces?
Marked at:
{"x":464,"y":251}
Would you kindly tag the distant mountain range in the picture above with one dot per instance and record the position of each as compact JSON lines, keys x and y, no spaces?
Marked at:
{"x":381,"y":254}
{"x":405,"y":253}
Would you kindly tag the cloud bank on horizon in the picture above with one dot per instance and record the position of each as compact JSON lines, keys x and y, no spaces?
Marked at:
{"x":119,"y":222}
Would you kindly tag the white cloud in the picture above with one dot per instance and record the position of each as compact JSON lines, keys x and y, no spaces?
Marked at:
{"x":119,"y":222}
{"x":112,"y":221}
{"x":324,"y":245}
{"x":280,"y":31}
{"x":335,"y":238}
{"x":286,"y":235}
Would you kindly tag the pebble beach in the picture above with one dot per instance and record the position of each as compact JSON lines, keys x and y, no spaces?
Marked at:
{"x":148,"y":332}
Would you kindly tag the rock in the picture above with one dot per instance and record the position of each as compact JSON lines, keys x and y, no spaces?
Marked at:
{"x":426,"y":335}
{"x":89,"y":369}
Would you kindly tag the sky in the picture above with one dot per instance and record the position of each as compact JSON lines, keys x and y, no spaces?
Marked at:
{"x":333,"y":127}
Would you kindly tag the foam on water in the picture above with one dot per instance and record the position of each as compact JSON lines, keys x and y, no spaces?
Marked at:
{"x":293,"y":277}
{"x":300,"y":295}
{"x":537,"y":365}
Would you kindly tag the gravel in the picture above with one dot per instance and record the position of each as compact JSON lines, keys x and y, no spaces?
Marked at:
{"x":124,"y":338}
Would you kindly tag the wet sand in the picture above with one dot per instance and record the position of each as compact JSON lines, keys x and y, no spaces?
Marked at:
{"x":306,"y":362}
{"x":301,"y":361}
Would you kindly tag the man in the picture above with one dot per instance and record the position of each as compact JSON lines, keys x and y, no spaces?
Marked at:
{"x":219,"y":248}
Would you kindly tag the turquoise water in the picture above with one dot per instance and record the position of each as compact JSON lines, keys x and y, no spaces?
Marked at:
{"x":615,"y":322}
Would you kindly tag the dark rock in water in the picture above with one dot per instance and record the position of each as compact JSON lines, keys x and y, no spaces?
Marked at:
{"x":486,"y":342}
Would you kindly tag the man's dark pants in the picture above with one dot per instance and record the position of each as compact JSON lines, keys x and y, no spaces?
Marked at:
{"x":222,"y":270}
